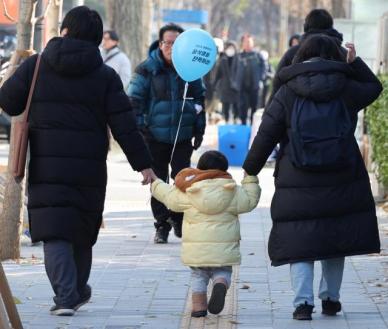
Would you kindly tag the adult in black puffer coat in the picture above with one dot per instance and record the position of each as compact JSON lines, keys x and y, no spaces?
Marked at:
{"x":318,"y":21}
{"x":76,"y":98}
{"x":318,"y":215}
{"x":228,"y":80}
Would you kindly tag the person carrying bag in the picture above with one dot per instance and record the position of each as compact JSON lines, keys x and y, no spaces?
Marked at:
{"x":65,"y":122}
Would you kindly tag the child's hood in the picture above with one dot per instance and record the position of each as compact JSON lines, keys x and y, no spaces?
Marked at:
{"x":210,"y":191}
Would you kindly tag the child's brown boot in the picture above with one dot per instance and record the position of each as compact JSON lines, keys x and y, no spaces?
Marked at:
{"x":199,"y":307}
{"x":217,"y":299}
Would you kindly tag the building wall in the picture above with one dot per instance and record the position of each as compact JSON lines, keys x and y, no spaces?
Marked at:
{"x":368,"y":10}
{"x":364,"y":29}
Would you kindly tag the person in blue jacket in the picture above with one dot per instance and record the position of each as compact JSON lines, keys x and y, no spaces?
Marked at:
{"x":156,"y":93}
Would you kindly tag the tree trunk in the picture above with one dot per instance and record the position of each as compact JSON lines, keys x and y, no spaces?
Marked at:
{"x":314,"y":4}
{"x":132,"y":21}
{"x":38,"y":28}
{"x":159,"y":14}
{"x":53,"y":18}
{"x":11,"y":217}
{"x":267,"y":8}
{"x":300,"y":16}
{"x":109,"y":12}
{"x":283,"y":27}
{"x":338,"y":8}
{"x":218,"y":17}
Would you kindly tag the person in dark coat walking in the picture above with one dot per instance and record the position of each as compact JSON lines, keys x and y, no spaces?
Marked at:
{"x":76,"y":99}
{"x":269,"y":74}
{"x":156,"y":93}
{"x":318,"y":21}
{"x":227,"y":80}
{"x":253,"y":74}
{"x":294,"y":40}
{"x":318,"y":215}
{"x":114,"y":57}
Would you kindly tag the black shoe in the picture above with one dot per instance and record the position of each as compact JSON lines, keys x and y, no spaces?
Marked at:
{"x":62,"y":310}
{"x":217,"y":299}
{"x":199,"y":314}
{"x":330,"y":308}
{"x":303,"y":312}
{"x":177,"y":226}
{"x":161,"y":235}
{"x":85,"y":298}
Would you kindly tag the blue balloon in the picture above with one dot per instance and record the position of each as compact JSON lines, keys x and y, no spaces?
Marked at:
{"x":194,"y":54}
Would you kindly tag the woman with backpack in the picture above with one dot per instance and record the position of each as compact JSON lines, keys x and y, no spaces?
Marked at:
{"x":323,"y":207}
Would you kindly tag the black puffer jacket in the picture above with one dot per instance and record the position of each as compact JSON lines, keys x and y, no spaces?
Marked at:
{"x":76,"y":97}
{"x":228,"y":79}
{"x":317,"y":215}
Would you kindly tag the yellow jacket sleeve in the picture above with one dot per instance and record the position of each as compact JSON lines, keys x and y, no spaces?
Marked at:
{"x":248,"y":194}
{"x":170,"y":196}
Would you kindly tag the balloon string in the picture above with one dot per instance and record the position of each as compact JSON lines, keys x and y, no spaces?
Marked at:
{"x":179,"y":127}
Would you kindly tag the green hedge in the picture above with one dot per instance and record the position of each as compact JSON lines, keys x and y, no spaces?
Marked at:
{"x":274,"y":61}
{"x":377,"y":124}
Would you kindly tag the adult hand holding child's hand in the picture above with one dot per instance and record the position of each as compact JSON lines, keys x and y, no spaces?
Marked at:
{"x":148,"y":176}
{"x":351,"y":52}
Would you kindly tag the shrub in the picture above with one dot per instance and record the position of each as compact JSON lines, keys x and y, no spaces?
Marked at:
{"x":274,"y":61}
{"x":377,"y":123}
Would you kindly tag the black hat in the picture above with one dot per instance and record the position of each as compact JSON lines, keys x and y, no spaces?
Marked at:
{"x":112,"y":35}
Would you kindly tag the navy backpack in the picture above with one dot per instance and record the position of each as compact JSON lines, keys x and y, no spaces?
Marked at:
{"x":321,"y":135}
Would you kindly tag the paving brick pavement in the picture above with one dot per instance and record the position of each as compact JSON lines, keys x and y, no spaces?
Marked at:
{"x":137,"y":284}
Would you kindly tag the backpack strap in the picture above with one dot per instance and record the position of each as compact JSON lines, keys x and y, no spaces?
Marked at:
{"x":111,"y":56}
{"x":32,"y":88}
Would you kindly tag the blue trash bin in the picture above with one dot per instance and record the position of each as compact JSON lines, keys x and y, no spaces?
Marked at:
{"x":233,"y":141}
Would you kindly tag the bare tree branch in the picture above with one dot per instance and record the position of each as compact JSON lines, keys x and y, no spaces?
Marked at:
{"x":6,"y":13}
{"x":36,"y":20}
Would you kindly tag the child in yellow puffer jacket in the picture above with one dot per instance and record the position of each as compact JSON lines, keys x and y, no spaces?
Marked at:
{"x":211,"y":201}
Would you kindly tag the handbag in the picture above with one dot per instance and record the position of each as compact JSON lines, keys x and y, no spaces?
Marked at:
{"x":20,"y":132}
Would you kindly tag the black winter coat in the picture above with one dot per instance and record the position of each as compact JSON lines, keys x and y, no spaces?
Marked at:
{"x":228,"y":79}
{"x":289,"y":55}
{"x":76,"y":98}
{"x":251,"y":71}
{"x":317,"y":215}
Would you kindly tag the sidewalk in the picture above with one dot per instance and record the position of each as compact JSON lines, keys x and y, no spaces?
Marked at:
{"x":137,"y":284}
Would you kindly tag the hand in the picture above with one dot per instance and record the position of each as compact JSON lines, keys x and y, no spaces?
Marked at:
{"x":197,"y":142}
{"x":351,"y":52}
{"x":148,"y":176}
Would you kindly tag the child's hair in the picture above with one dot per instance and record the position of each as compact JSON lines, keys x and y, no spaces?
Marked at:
{"x":213,"y":160}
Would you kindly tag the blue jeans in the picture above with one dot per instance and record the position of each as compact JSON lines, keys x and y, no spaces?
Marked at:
{"x":200,"y":277}
{"x":302,"y":277}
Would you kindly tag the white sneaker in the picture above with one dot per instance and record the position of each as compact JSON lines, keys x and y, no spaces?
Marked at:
{"x":62,"y":311}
